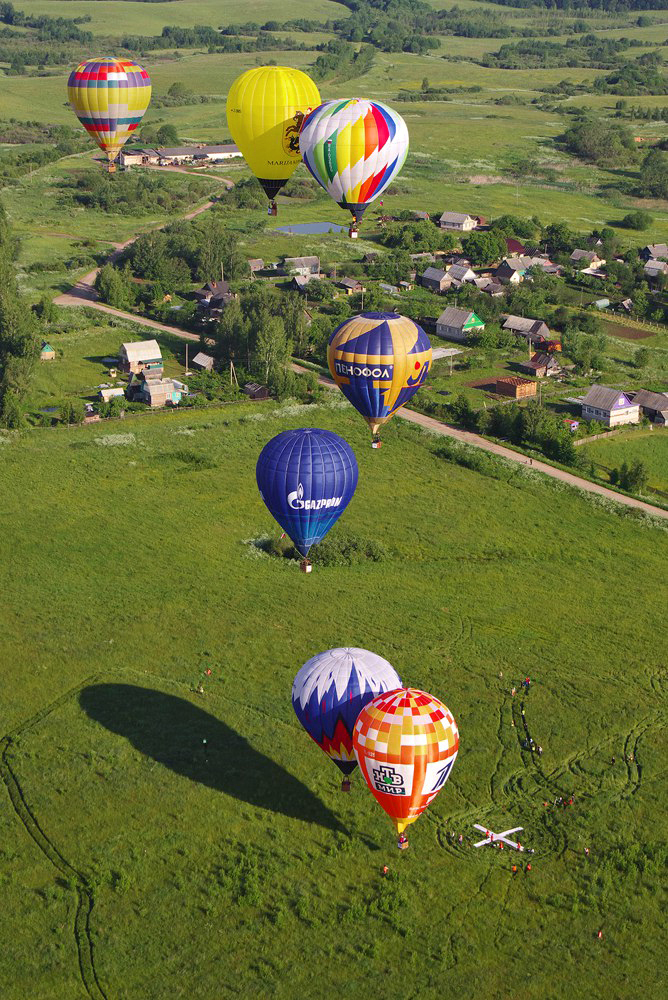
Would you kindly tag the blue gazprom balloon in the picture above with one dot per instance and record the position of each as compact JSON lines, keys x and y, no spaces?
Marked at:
{"x":306,"y":478}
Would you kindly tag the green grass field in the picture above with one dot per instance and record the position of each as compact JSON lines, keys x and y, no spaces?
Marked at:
{"x":650,"y":446}
{"x":241,"y":862}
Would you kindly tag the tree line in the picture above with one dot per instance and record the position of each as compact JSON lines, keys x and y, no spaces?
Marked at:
{"x":19,"y":334}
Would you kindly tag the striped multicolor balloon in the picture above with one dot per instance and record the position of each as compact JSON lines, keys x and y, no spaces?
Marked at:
{"x":354,"y":148}
{"x":406,"y":742}
{"x":110,"y":98}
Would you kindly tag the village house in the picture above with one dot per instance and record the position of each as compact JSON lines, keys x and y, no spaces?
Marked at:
{"x":541,"y":365}
{"x":203,"y":361}
{"x":457,"y":324}
{"x":300,"y":282}
{"x":653,"y":268}
{"x":215,"y":294}
{"x":255,"y":265}
{"x":157,"y":391}
{"x":489,"y":286}
{"x":460,"y":273}
{"x":514,"y":248}
{"x":655,"y":251}
{"x":435,"y":279}
{"x":653,"y":405}
{"x":609,"y":406}
{"x":533,"y":330}
{"x":421,"y":216}
{"x":458,"y":222}
{"x":301,"y":265}
{"x":139,"y":356}
{"x":589,"y":258}
{"x":47,"y":353}
{"x":515,"y":387}
{"x":513,"y":270}
{"x":177,"y":155}
{"x":351,"y":286}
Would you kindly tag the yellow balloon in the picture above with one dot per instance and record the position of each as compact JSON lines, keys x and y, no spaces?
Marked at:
{"x":265,"y":110}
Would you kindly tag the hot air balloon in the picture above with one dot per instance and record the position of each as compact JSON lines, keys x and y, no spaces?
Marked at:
{"x":328,"y":693}
{"x":354,"y":148}
{"x":110,"y":98}
{"x":306,"y":478}
{"x":405,"y":742}
{"x":265,"y":110}
{"x":379,"y":361}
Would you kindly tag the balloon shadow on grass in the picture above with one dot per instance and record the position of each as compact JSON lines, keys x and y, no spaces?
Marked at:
{"x":172,"y":731}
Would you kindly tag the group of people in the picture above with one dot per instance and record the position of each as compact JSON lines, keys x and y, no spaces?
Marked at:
{"x":518,"y":868}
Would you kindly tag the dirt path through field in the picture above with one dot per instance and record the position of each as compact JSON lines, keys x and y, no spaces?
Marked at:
{"x":83,"y":291}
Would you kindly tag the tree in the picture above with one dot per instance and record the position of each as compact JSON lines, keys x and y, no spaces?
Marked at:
{"x":167,"y":135}
{"x":654,"y":175}
{"x":115,"y":286}
{"x":637,"y":477}
{"x":641,"y":357}
{"x":558,"y":237}
{"x":272,"y":346}
{"x":294,"y":320}
{"x":484,"y":248}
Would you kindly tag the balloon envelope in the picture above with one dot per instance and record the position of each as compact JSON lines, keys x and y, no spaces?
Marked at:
{"x":306,"y":478}
{"x":379,"y":361}
{"x":406,"y":743}
{"x":354,"y":148}
{"x":330,"y":690}
{"x":265,"y":110}
{"x":109,"y":97}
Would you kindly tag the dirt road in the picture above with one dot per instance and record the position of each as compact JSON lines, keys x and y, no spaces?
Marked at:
{"x":467,"y":437}
{"x":83,"y":293}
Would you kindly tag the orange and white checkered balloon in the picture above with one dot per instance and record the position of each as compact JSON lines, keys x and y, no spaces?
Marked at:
{"x":406,"y":742}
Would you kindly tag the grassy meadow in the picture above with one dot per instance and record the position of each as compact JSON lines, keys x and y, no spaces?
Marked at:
{"x":158,"y":843}
{"x":650,"y":446}
{"x":238,"y":859}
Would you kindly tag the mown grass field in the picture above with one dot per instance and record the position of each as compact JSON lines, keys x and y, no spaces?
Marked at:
{"x":650,"y":446}
{"x":239,"y":859}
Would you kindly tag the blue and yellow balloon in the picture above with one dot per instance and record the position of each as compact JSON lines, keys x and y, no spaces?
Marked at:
{"x":379,"y":361}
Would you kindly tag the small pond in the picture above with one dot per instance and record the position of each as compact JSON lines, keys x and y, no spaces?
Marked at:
{"x":311,"y":228}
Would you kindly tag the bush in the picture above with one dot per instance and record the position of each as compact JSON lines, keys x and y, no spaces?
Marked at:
{"x":637,"y":220}
{"x":349,"y":550}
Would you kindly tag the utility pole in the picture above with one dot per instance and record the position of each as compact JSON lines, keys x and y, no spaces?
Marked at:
{"x":362,"y":298}
{"x":186,"y":357}
{"x":222,"y":272}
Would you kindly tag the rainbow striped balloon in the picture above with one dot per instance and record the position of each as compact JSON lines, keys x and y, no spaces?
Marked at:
{"x":110,"y":98}
{"x":354,"y":148}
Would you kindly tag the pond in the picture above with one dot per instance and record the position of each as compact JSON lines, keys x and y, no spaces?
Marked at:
{"x":311,"y":228}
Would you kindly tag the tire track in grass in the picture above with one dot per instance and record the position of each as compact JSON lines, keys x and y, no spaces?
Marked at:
{"x":82,"y":888}
{"x":85,"y":901}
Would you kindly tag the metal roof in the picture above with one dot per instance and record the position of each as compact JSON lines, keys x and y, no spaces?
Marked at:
{"x":603,"y":397}
{"x":142,"y":350}
{"x":455,"y":217}
{"x":452,"y":316}
{"x":652,"y":400}
{"x":434,"y":274}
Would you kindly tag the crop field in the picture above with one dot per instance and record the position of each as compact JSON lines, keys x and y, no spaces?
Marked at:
{"x":649,"y":446}
{"x":237,"y":858}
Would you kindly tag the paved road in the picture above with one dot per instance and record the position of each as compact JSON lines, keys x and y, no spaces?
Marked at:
{"x":467,"y":437}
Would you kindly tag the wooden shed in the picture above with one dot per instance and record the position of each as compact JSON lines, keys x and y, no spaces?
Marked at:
{"x":47,"y":352}
{"x":515,"y":387}
{"x":203,"y":361}
{"x":256,"y":391}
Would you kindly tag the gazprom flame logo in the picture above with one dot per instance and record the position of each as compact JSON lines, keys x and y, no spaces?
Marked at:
{"x":297,"y":502}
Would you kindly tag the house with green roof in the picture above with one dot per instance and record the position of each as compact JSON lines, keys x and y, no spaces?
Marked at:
{"x":47,"y":352}
{"x":457,"y":324}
